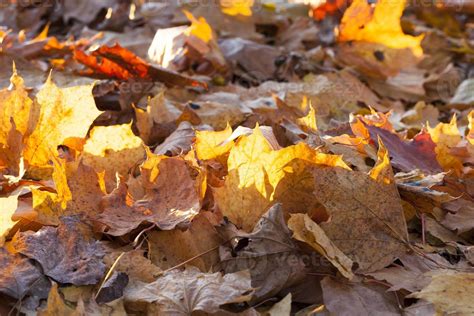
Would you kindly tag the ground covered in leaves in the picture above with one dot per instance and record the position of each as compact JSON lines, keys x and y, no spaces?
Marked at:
{"x":236,"y":157}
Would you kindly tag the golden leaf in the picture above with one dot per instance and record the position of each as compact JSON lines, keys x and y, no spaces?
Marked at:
{"x":446,"y":136}
{"x":308,"y":123}
{"x":470,"y":135}
{"x":8,"y":206}
{"x":237,"y":7}
{"x":259,"y":176}
{"x":78,"y":189}
{"x":209,"y":144}
{"x":63,"y":113}
{"x":382,"y":171}
{"x":361,"y":22}
{"x":113,"y":149}
{"x":15,"y":105}
{"x":199,"y":28}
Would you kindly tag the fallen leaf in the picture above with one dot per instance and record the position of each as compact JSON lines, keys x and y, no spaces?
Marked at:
{"x":63,"y":113}
{"x":113,"y":149}
{"x":449,"y":291}
{"x":269,"y":253}
{"x":8,"y":207}
{"x":361,"y":22}
{"x":344,"y":298}
{"x":418,"y":153}
{"x":72,"y":257}
{"x":200,"y":241}
{"x":259,"y":176}
{"x":172,"y":198}
{"x":446,"y":136}
{"x":184,"y":292}
{"x":179,"y":142}
{"x":378,"y":230}
{"x":305,"y":230}
{"x":20,"y":277}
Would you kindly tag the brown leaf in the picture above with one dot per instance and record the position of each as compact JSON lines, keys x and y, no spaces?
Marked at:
{"x":173,"y":198}
{"x":20,"y":277}
{"x":269,"y":253}
{"x":450,"y":292}
{"x":344,"y":298}
{"x":68,"y":253}
{"x":304,"y":229}
{"x":377,"y":232}
{"x":188,"y":291}
{"x":169,"y":248}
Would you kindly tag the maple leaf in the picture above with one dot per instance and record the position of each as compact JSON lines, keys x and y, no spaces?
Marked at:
{"x":380,"y":25}
{"x":345,"y":298}
{"x":378,"y":230}
{"x":184,"y":292}
{"x":63,"y":113}
{"x":78,"y":190}
{"x":237,"y":7}
{"x":446,"y":136}
{"x":449,"y":291}
{"x":269,"y":253}
{"x":200,"y":237}
{"x":210,"y":145}
{"x":73,"y":256}
{"x":113,"y":149}
{"x":259,"y":176}
{"x":19,"y":276}
{"x":173,"y":197}
{"x":9,"y":205}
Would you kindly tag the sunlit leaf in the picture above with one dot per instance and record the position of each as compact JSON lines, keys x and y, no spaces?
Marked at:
{"x":363,"y":22}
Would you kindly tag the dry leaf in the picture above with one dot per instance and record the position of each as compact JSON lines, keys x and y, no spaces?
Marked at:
{"x":199,"y":241}
{"x":344,"y":298}
{"x":72,"y":255}
{"x":450,"y":292}
{"x":305,"y":230}
{"x":113,"y":149}
{"x":378,"y":230}
{"x":20,"y":277}
{"x":184,"y":292}
{"x":63,"y":113}
{"x":173,"y":197}
{"x":259,"y":176}
{"x":361,"y":22}
{"x":269,"y":253}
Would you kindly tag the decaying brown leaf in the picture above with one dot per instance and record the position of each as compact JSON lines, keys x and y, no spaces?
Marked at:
{"x":272,"y":257}
{"x":184,"y":292}
{"x":73,"y":257}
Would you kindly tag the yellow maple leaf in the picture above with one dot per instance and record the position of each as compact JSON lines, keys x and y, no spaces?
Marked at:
{"x":209,"y":144}
{"x":382,"y":171}
{"x":9,"y":205}
{"x":199,"y":28}
{"x":78,"y":189}
{"x":259,"y":176}
{"x":363,"y":22}
{"x":308,"y":123}
{"x":113,"y":149}
{"x":237,"y":7}
{"x":15,"y":105}
{"x":470,"y":135}
{"x":446,"y":136}
{"x":62,"y":113}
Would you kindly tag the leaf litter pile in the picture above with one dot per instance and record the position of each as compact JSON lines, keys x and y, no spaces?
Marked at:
{"x":236,"y":157}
